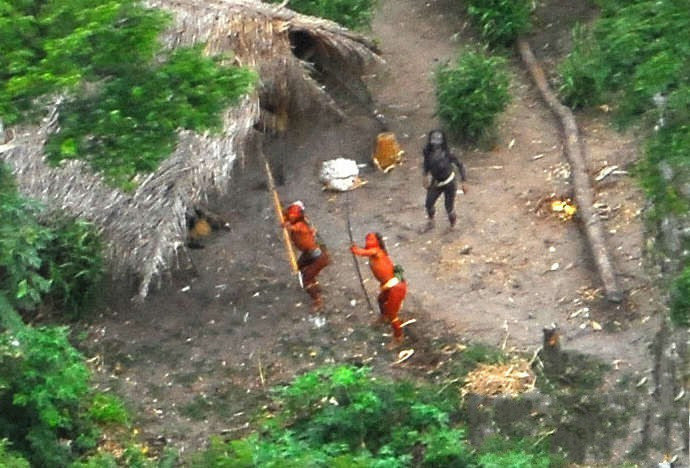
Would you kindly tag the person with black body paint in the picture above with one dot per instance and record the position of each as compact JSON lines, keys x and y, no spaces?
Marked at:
{"x":441,"y":168}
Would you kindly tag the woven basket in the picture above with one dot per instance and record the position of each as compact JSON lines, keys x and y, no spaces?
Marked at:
{"x":387,"y":152}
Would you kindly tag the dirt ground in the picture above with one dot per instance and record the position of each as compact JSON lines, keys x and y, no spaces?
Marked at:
{"x":200,"y":353}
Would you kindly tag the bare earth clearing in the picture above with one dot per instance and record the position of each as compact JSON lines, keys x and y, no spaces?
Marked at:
{"x":200,"y":353}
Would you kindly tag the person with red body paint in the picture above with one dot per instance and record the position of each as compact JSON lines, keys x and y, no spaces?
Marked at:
{"x":313,"y":257}
{"x":393,"y":287}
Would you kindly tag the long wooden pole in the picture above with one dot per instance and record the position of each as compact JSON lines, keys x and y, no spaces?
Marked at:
{"x":354,"y":257}
{"x":279,"y":213}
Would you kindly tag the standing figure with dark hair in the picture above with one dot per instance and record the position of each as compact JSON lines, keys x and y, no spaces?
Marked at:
{"x":440,"y":168}
{"x":313,"y":257}
{"x":393,"y":287}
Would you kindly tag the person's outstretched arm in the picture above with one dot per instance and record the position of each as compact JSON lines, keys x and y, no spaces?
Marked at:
{"x":362,"y":252}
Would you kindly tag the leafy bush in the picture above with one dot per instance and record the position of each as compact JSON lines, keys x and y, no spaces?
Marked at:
{"x":499,"y":451}
{"x":342,"y":416}
{"x":62,"y":261}
{"x":666,"y":149}
{"x":680,"y":299}
{"x":637,"y":49}
{"x":514,"y":459}
{"x":43,"y":381}
{"x":353,"y":14}
{"x":583,"y":80}
{"x":99,"y":460}
{"x":8,"y":459}
{"x":108,"y":409}
{"x":22,"y":241}
{"x":74,"y":265}
{"x":131,"y":455}
{"x":123,"y":109}
{"x":471,"y":93}
{"x":500,"y":21}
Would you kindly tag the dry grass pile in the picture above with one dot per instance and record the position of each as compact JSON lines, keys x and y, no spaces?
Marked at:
{"x":509,"y":379}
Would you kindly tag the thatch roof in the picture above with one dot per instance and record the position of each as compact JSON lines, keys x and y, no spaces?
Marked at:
{"x":259,"y":34}
{"x":145,"y":230}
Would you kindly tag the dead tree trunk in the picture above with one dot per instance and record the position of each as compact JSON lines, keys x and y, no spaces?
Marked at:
{"x":594,"y":232}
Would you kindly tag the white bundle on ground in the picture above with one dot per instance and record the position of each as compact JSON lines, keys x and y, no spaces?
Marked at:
{"x":340,"y":174}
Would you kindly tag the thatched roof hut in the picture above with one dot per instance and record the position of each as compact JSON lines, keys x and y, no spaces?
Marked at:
{"x":145,"y":230}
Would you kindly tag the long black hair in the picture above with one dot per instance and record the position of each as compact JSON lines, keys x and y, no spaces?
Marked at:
{"x":444,"y":141}
{"x":382,"y":244}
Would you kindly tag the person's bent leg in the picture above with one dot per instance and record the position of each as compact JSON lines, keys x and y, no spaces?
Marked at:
{"x":311,"y":284}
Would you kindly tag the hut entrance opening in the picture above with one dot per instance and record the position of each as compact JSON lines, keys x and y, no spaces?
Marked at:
{"x":306,"y":48}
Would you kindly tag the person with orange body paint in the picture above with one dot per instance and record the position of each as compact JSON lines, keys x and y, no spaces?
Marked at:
{"x":393,"y":287}
{"x":313,"y":257}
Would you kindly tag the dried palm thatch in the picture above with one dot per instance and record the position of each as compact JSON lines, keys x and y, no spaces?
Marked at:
{"x":273,"y":40}
{"x":145,"y":230}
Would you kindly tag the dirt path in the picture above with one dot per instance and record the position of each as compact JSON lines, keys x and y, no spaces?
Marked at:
{"x":201,"y":351}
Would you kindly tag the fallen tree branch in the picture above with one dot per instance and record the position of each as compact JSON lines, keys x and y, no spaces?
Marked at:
{"x":594,"y":232}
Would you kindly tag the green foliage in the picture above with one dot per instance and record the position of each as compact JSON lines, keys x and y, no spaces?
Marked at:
{"x":22,"y":241}
{"x":582,"y":79}
{"x":139,"y":114}
{"x":51,"y":46}
{"x":99,"y":460}
{"x":107,"y":408}
{"x":122,"y":109}
{"x":9,"y":318}
{"x":480,"y":353}
{"x":75,"y":265}
{"x":514,"y":459}
{"x":353,"y":14}
{"x":62,"y":262}
{"x":499,"y":452}
{"x":9,"y":459}
{"x":680,"y":299}
{"x":635,"y":49}
{"x":43,"y":381}
{"x":341,"y":416}
{"x":233,"y":454}
{"x":667,"y":148}
{"x":471,"y":93}
{"x":132,"y":455}
{"x":500,"y":21}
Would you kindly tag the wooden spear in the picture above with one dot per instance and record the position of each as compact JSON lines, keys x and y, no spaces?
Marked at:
{"x":354,"y":257}
{"x":279,"y":213}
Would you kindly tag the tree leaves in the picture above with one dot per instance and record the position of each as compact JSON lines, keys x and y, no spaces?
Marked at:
{"x":126,"y":96}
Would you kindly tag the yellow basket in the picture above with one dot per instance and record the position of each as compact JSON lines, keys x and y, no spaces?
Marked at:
{"x":387,"y":152}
